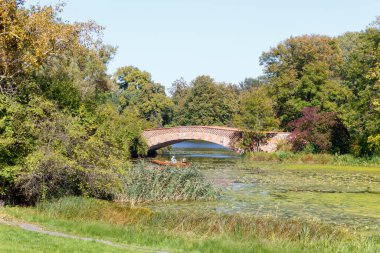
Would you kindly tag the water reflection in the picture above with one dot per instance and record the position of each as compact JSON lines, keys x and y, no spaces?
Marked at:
{"x":198,"y":149}
{"x":198,"y":145}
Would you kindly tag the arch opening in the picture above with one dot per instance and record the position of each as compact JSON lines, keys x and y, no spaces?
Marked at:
{"x":173,"y":142}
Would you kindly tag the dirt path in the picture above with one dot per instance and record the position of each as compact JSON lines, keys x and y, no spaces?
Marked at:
{"x":37,"y":229}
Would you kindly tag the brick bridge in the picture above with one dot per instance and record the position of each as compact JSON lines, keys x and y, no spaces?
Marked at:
{"x":225,"y":136}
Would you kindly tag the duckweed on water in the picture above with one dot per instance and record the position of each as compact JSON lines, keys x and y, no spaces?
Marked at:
{"x":338,"y":195}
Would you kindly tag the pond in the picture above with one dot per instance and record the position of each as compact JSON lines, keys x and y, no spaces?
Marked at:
{"x":344,"y":195}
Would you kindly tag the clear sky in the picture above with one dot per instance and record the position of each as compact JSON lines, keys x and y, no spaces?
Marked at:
{"x":220,"y":38}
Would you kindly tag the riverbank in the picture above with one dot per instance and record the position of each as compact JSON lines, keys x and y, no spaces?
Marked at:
{"x":191,"y":232}
{"x":308,"y":158}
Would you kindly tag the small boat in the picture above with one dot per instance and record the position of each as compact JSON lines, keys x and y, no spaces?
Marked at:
{"x":167,"y":163}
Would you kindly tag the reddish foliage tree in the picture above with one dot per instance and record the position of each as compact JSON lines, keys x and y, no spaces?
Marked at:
{"x":320,"y":131}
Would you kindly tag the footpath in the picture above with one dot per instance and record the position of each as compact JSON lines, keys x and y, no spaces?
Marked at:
{"x":38,"y":229}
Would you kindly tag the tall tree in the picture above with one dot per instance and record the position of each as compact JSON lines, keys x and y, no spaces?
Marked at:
{"x":250,"y":83}
{"x":207,"y":103}
{"x":256,"y":111}
{"x":139,"y":91}
{"x":36,"y":36}
{"x":360,"y":74}
{"x":58,"y":132}
{"x":303,"y":71}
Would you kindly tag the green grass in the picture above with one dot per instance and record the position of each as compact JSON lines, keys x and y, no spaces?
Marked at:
{"x":17,"y":240}
{"x":290,"y":157}
{"x":193,"y":231}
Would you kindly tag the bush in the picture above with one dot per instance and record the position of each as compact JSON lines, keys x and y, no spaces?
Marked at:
{"x":318,"y":132}
{"x":49,"y":153}
{"x":49,"y":175}
{"x":284,"y":156}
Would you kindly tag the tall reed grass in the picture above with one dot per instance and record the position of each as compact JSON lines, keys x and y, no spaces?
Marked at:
{"x":192,"y":222}
{"x":151,"y":184}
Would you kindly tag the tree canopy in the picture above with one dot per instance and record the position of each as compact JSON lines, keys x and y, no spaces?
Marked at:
{"x":139,"y":91}
{"x":204,"y":102}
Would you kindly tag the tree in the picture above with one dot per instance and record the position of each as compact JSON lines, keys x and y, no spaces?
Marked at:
{"x":318,"y":131}
{"x":303,"y":71}
{"x":250,"y":83}
{"x":179,"y":91}
{"x":206,"y":103}
{"x":138,"y":90}
{"x":256,"y":111}
{"x":374,"y":136}
{"x":31,"y":38}
{"x":61,"y":132}
{"x":359,"y":73}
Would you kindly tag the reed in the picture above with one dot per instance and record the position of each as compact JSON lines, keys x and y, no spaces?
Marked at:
{"x":198,"y":223}
{"x":152,"y":184}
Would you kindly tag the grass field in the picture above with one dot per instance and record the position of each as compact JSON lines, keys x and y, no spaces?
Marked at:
{"x":175,"y":232}
{"x":17,"y":240}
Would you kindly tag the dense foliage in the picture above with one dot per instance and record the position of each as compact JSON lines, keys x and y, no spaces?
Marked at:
{"x":303,"y":72}
{"x":61,"y":128}
{"x":139,"y":91}
{"x":256,"y":110}
{"x":319,"y":132}
{"x":204,"y":102}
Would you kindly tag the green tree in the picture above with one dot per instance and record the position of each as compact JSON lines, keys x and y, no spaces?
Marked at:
{"x":303,"y":71}
{"x":61,"y":132}
{"x":256,"y":111}
{"x":360,"y":74}
{"x":374,"y":110}
{"x":250,"y":83}
{"x":138,"y":90}
{"x":206,"y":102}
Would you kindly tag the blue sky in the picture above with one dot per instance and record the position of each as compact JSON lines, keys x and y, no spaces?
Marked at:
{"x":221,"y":38}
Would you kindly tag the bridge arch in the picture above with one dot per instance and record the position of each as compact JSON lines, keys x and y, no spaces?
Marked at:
{"x":225,"y":136}
{"x":162,"y":137}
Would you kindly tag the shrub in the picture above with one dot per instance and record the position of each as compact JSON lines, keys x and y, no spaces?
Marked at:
{"x":319,"y":131}
{"x":49,"y":175}
{"x":285,"y":156}
{"x":85,"y":154}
